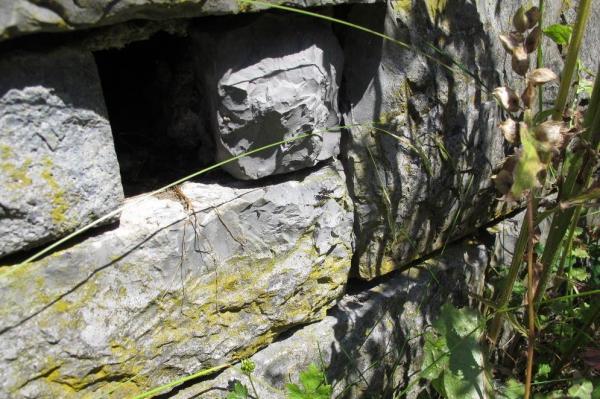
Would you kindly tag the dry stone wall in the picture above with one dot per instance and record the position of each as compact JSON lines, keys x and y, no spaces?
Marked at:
{"x":136,"y":94}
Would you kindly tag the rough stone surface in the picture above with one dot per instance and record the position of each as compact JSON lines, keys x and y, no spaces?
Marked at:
{"x":171,"y":291}
{"x":424,"y":178}
{"x":57,"y":159}
{"x":19,"y":17}
{"x":268,"y":81}
{"x":589,"y":53}
{"x":369,"y":343}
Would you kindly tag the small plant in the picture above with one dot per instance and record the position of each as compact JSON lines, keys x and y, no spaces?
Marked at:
{"x":454,"y":361}
{"x":240,"y":391}
{"x":314,"y":385}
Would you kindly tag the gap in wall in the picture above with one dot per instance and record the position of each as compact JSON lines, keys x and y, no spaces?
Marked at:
{"x":155,"y":111}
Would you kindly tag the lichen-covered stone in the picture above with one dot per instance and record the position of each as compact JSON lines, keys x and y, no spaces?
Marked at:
{"x":20,"y":17}
{"x":58,"y":166}
{"x":185,"y":282}
{"x":371,"y":341}
{"x":270,"y":80}
{"x":424,"y":178}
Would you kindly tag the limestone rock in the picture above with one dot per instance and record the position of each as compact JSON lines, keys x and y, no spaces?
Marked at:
{"x":268,"y":81}
{"x":181,"y":284}
{"x":19,"y":17}
{"x":58,"y":166}
{"x":424,"y":177}
{"x":370,"y":341}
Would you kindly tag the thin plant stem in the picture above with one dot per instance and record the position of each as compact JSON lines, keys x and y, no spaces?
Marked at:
{"x":507,"y":288}
{"x":571,"y":63}
{"x":162,"y":388}
{"x":137,"y":200}
{"x":461,"y":68}
{"x":540,"y":58}
{"x":578,"y":176}
{"x":530,"y":295}
{"x":252,"y":385}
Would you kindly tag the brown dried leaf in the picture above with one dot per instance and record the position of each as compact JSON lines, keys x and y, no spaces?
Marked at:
{"x":551,"y":132}
{"x":540,"y":76}
{"x":533,"y":17}
{"x":520,"y":20}
{"x":533,"y":40}
{"x":520,"y":61}
{"x":528,"y":95}
{"x":511,"y":40}
{"x":503,"y":181}
{"x":507,"y":98}
{"x":510,"y":130}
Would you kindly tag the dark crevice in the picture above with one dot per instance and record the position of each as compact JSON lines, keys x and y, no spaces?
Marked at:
{"x":155,"y":111}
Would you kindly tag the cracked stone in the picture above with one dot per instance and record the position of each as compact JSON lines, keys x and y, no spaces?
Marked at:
{"x":172,"y":291}
{"x":268,"y":81}
{"x":57,"y":158}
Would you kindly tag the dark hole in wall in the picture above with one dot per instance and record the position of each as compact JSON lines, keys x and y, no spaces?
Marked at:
{"x":155,"y":111}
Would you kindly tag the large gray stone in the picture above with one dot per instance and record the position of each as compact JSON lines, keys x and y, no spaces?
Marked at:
{"x":58,"y":166}
{"x":184,"y":283}
{"x":371,"y":342}
{"x":426,"y":179}
{"x":268,"y":81}
{"x":20,"y":17}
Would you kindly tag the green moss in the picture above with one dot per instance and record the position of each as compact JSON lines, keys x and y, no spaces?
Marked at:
{"x":59,"y":203}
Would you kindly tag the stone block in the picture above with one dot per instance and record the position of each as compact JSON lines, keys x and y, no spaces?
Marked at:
{"x":270,"y":80}
{"x":370,"y":342}
{"x":58,"y":166}
{"x":192,"y":279}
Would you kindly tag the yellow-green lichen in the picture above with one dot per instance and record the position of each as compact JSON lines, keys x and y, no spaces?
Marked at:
{"x":59,"y":203}
{"x":17,"y":175}
{"x":403,"y":5}
{"x":435,"y":8}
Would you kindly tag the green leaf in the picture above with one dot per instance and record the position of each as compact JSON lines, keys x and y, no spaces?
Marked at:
{"x":579,"y":274}
{"x":239,"y":391}
{"x":542,"y":116}
{"x":528,"y":166}
{"x":314,"y":385}
{"x":580,"y":253}
{"x":513,"y":390}
{"x":585,"y":87}
{"x":453,"y":358}
{"x":436,"y":356}
{"x":581,"y":390}
{"x":543,"y":371}
{"x":559,"y":33}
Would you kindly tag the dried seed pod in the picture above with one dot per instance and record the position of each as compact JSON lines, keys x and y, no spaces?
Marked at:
{"x":503,"y":181}
{"x":520,"y":20}
{"x":540,"y":76}
{"x":510,"y":130}
{"x":551,"y":132}
{"x":533,"y":17}
{"x":511,"y":40}
{"x":520,"y":61}
{"x":533,"y":40}
{"x":528,"y":95}
{"x":507,"y":98}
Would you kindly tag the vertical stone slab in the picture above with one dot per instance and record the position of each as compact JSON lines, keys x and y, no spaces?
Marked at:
{"x":423,"y":178}
{"x":58,"y":166}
